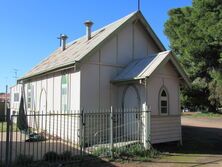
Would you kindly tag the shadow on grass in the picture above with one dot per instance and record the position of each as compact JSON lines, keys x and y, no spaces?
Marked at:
{"x":87,"y":161}
{"x":196,"y":140}
{"x":59,"y":154}
{"x":92,"y":161}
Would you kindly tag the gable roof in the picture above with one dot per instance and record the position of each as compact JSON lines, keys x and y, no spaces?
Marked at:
{"x":80,"y":48}
{"x":145,"y":67}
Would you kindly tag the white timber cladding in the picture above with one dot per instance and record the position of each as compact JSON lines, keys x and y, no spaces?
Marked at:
{"x":165,"y":77}
{"x":101,"y":67}
{"x":74,"y":91}
{"x":92,"y":87}
{"x":57,"y":92}
{"x":51,"y":85}
{"x":50,"y":94}
{"x":165,"y":129}
{"x":140,"y":42}
{"x":124,"y":44}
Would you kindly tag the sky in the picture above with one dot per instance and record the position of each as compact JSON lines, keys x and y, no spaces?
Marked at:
{"x":29,"y":28}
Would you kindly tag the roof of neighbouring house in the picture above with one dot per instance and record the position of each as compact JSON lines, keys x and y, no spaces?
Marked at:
{"x":80,"y":48}
{"x":144,"y":67}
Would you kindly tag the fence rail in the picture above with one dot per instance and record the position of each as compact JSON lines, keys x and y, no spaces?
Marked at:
{"x":73,"y":135}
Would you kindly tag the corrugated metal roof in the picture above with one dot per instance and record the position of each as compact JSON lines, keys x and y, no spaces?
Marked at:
{"x":77,"y":49}
{"x":141,"y":68}
{"x":80,"y":48}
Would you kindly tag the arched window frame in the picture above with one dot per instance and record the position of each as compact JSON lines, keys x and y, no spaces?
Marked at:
{"x":64,"y":93}
{"x":161,"y":99}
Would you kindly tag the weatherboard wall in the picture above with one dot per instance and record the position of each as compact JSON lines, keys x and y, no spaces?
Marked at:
{"x":90,"y":88}
{"x":50,"y":87}
{"x":97,"y":71}
{"x":131,"y":42}
{"x":165,"y":77}
{"x":164,"y":128}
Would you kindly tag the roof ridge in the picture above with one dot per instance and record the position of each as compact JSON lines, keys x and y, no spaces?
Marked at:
{"x":103,"y":27}
{"x":80,"y":48}
{"x":57,"y":51}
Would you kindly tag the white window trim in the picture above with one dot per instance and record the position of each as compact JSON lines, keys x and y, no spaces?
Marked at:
{"x":160,"y":98}
{"x":67,"y":94}
{"x":29,"y":95}
{"x":14,"y":97}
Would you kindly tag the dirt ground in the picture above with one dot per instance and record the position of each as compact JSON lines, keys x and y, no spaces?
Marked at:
{"x":202,"y":147}
{"x":202,"y":122}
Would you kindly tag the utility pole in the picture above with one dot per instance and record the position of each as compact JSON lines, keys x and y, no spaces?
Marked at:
{"x":6,"y":98}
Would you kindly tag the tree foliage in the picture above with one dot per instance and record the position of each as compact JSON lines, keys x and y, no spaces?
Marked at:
{"x":195,"y":35}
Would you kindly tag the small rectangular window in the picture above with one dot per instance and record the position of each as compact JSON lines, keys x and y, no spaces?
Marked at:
{"x":164,"y":110}
{"x":16,"y":97}
{"x":163,"y":103}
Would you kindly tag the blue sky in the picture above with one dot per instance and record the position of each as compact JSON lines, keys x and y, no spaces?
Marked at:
{"x":29,"y":28}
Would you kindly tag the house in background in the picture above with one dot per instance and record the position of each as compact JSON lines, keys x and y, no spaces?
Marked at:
{"x":123,"y":65}
{"x":4,"y":96}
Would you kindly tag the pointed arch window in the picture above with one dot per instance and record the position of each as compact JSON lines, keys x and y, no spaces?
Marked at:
{"x":164,"y":102}
{"x":64,"y":93}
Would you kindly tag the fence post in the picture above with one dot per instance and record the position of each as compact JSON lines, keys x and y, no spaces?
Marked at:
{"x":8,"y":123}
{"x":82,"y":132}
{"x":147,"y":124}
{"x":8,"y":138}
{"x":111,"y":131}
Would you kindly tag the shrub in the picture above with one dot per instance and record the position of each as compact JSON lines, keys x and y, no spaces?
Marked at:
{"x":1,"y":164}
{"x":51,"y":156}
{"x":66,"y":155}
{"x":101,"y":152}
{"x":132,"y":151}
{"x":23,"y":160}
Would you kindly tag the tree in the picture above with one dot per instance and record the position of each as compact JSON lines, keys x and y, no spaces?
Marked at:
{"x":215,"y":87}
{"x":195,"y":35}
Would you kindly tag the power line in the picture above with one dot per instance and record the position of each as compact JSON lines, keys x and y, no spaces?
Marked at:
{"x":15,"y":73}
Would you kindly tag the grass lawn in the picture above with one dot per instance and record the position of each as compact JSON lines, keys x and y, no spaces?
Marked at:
{"x":3,"y":127}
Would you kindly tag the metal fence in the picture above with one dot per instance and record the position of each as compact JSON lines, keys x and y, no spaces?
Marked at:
{"x":77,"y":134}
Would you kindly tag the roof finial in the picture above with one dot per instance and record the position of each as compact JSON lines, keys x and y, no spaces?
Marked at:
{"x":138,"y":5}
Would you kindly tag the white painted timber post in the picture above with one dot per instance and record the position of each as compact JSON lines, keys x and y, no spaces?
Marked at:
{"x":147,"y":124}
{"x":111,"y":131}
